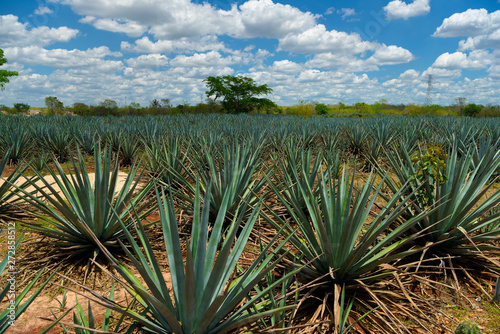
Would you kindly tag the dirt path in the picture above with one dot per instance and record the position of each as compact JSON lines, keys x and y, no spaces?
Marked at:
{"x":52,"y":181}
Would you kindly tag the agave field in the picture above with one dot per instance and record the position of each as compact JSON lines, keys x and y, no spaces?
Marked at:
{"x":251,"y":223}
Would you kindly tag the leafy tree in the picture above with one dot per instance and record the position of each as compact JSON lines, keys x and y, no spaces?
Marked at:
{"x":4,"y":75}
{"x":106,"y":107}
{"x":165,"y":103}
{"x":472,"y":109}
{"x":159,"y":106}
{"x":81,"y":109}
{"x":109,"y":104}
{"x":155,"y":104}
{"x":238,"y":93}
{"x":21,"y":107}
{"x":54,"y":105}
{"x":321,"y":109}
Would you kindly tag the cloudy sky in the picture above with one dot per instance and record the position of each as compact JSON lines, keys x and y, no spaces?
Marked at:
{"x":324,"y":51}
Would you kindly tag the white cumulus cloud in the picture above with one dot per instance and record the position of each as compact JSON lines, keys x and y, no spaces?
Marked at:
{"x":472,"y":22}
{"x":209,"y":59}
{"x":199,"y":44}
{"x":398,"y":9}
{"x":90,"y":60}
{"x":390,"y":55}
{"x":148,"y":61}
{"x":478,"y":59}
{"x":319,"y":40}
{"x":410,"y":74}
{"x":130,"y":28}
{"x":182,"y":18}
{"x":15,"y":33}
{"x":42,"y":10}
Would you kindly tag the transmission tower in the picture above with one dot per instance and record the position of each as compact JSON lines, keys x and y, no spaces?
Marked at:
{"x":428,"y":97}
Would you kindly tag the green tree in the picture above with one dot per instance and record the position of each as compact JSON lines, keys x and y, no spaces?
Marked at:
{"x":21,"y":107}
{"x":107,"y":107}
{"x":472,"y":109}
{"x":238,"y":93}
{"x":4,"y":75}
{"x":321,"y":109}
{"x":109,"y":104}
{"x":53,"y":104}
{"x":81,"y":109}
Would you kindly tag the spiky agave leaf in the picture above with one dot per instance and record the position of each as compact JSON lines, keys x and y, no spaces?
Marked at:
{"x":231,"y":173}
{"x":166,"y":159}
{"x":16,"y":141}
{"x":297,"y":169}
{"x":205,"y":296}
{"x":84,"y":208}
{"x":58,"y":142}
{"x":338,"y":244}
{"x":336,"y":237}
{"x":18,"y":302}
{"x":462,"y":218}
{"x":10,"y":199}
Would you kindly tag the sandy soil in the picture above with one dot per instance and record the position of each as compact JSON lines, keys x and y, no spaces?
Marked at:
{"x":52,"y":181}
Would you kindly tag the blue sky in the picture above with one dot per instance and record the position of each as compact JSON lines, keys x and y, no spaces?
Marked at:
{"x":323,"y":51}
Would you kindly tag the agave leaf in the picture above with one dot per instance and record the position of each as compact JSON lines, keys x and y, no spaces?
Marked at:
{"x":211,"y":308}
{"x":84,"y":209}
{"x":461,"y":193}
{"x":333,"y":226}
{"x":496,"y":296}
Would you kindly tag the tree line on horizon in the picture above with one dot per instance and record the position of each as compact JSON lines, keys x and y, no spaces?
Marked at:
{"x":304,"y":108}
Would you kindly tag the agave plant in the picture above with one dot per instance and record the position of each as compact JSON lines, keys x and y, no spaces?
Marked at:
{"x":356,"y":137}
{"x":335,"y":236}
{"x":481,"y":149}
{"x":295,"y":171}
{"x":16,"y":141}
{"x":167,"y":159}
{"x":114,"y":138}
{"x":10,"y":200}
{"x":129,"y":147}
{"x":86,"y":139}
{"x":206,"y":296}
{"x":19,"y":301}
{"x":86,"y":210}
{"x":39,"y":160}
{"x":337,"y":243}
{"x":462,"y":217}
{"x":58,"y":142}
{"x":383,"y":135}
{"x":231,"y":173}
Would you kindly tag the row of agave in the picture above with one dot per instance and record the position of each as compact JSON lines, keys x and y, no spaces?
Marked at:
{"x":334,"y":240}
{"x":40,"y":137}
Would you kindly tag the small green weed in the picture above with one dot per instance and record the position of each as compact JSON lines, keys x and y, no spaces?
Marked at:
{"x":468,"y":327}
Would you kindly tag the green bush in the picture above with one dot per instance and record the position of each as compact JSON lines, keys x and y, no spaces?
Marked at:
{"x":54,"y":106}
{"x":21,"y":107}
{"x":472,"y":109}
{"x":321,"y":109}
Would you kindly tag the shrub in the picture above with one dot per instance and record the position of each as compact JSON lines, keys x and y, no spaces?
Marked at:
{"x":54,"y":106}
{"x":472,"y":109}
{"x":21,"y":107}
{"x":81,"y":109}
{"x":321,"y":109}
